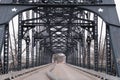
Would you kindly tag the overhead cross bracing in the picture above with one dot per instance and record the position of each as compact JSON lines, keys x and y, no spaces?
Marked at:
{"x":86,"y":31}
{"x":58,"y":27}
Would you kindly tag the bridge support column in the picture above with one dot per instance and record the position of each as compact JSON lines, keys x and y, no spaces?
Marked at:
{"x":88,"y":52}
{"x":83,"y":49}
{"x":108,"y":51}
{"x":96,"y":58}
{"x":42,"y":54}
{"x":27,"y":51}
{"x":37,"y":52}
{"x":6,"y":50}
{"x":39,"y":56}
{"x":32,"y":54}
{"x":77,"y":53}
{"x":19,"y":43}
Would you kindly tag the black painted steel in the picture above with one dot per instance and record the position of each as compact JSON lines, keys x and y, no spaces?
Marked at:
{"x":88,"y":52}
{"x":96,"y":58}
{"x":6,"y":50}
{"x":108,"y":52}
{"x":83,"y":49}
{"x":37,"y":53}
{"x":19,"y":58}
{"x":39,"y":56}
{"x":27,"y":51}
{"x":80,"y":52}
{"x":32,"y":52}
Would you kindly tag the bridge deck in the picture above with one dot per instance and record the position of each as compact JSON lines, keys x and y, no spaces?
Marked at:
{"x":58,"y":72}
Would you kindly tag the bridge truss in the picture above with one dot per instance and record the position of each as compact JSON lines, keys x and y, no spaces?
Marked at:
{"x":86,"y":31}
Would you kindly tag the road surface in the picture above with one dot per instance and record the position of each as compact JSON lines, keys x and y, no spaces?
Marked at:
{"x":59,"y":71}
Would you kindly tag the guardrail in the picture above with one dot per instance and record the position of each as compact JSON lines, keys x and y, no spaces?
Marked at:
{"x":13,"y":75}
{"x":101,"y":75}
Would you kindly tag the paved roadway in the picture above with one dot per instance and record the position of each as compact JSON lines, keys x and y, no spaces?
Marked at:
{"x":61,"y":72}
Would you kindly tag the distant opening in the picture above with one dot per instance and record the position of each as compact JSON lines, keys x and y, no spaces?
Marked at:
{"x":59,"y":58}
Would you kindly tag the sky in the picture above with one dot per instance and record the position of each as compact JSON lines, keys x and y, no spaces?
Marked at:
{"x":118,"y":7}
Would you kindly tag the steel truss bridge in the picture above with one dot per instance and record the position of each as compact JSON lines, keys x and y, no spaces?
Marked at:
{"x":86,"y":31}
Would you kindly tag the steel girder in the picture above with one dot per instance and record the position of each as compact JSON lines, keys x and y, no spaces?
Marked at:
{"x":108,"y":52}
{"x":6,"y":50}
{"x":88,"y":52}
{"x":33,"y":44}
{"x":96,"y":54}
{"x":27,"y":39}
{"x":19,"y":67}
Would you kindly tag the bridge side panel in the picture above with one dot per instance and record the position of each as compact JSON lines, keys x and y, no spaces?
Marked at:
{"x":110,"y":16}
{"x":115,"y":40}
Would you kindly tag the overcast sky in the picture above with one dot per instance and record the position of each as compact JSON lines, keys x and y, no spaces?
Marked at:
{"x":118,"y":7}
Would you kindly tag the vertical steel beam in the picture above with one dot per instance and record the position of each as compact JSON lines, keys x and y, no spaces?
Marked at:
{"x":39,"y":56}
{"x":77,"y":54}
{"x":6,"y":50}
{"x":36,"y":59}
{"x":27,"y":51}
{"x":33,"y":43}
{"x":32,"y":52}
{"x":108,"y":51}
{"x":83,"y":50}
{"x":96,"y":43}
{"x":19,"y":42}
{"x":42,"y":54}
{"x":80,"y":53}
{"x":88,"y":52}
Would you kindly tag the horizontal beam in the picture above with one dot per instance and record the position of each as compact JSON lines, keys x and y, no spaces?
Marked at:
{"x":55,"y":5}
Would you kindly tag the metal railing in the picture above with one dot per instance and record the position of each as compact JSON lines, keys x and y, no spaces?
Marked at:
{"x":16,"y":74}
{"x":100,"y":75}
